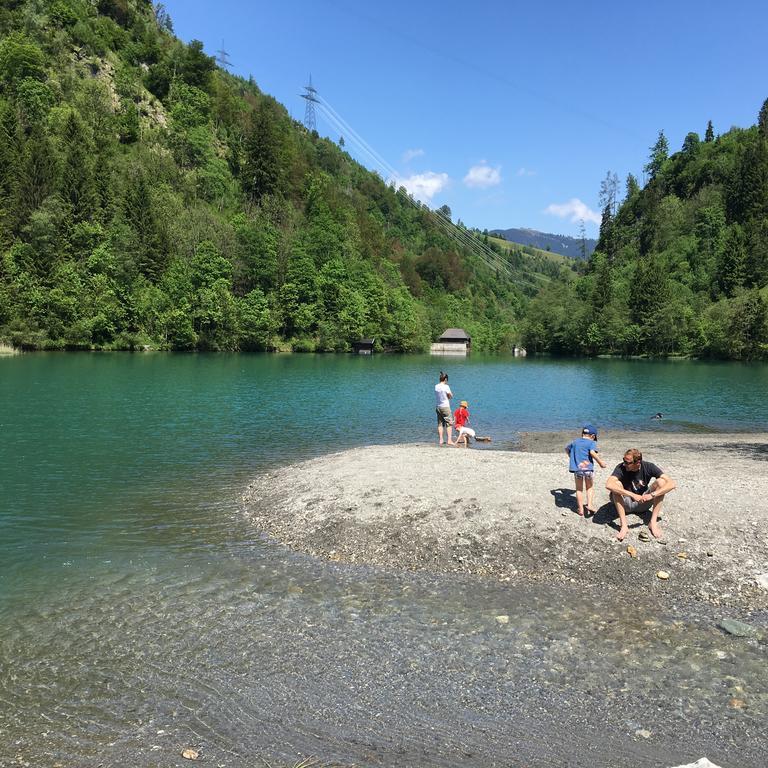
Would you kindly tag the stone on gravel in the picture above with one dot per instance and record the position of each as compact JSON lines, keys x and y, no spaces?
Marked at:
{"x":736,"y":628}
{"x":663,"y":575}
{"x":702,"y":763}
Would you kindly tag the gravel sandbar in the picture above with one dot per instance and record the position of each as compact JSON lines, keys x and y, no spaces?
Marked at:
{"x":510,"y":514}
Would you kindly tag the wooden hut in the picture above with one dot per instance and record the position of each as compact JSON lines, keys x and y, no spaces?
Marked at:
{"x":453,"y":341}
{"x":363,"y":346}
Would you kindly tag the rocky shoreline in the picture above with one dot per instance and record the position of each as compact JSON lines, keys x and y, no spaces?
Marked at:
{"x":510,"y":515}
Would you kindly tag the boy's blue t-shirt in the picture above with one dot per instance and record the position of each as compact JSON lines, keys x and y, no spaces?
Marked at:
{"x":578,"y":451}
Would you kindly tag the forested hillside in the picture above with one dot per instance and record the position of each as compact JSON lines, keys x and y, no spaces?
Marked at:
{"x":681,"y":266}
{"x":149,"y":199}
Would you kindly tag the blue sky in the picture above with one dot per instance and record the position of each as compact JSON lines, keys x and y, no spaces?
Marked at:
{"x":511,"y":113}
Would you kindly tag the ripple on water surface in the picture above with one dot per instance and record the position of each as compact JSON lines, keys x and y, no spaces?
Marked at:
{"x":264,"y":654}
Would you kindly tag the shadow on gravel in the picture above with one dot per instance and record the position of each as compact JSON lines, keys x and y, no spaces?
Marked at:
{"x":565,"y":498}
{"x":606,"y":515}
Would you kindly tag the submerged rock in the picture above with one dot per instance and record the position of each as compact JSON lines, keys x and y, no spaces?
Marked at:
{"x":736,"y":628}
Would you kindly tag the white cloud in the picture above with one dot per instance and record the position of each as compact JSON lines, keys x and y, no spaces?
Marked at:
{"x":410,"y":154}
{"x":574,"y":210}
{"x":526,"y":172}
{"x":424,"y":186}
{"x":483,"y":176}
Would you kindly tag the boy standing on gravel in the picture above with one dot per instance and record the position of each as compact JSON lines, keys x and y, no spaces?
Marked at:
{"x":582,"y":453}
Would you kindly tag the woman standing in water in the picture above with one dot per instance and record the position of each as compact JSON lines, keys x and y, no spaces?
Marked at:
{"x":443,"y":397}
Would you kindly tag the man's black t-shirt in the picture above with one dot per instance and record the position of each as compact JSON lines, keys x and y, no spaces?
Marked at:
{"x":637,"y":480}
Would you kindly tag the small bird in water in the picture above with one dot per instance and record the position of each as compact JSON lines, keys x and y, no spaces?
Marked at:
{"x":659,"y":415}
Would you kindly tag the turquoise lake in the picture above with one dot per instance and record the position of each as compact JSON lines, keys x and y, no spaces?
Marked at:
{"x":123,"y":551}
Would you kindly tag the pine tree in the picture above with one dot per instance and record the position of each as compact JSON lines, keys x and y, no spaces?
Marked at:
{"x":659,"y":155}
{"x":606,"y":240}
{"x":747,"y":193}
{"x":731,"y":269}
{"x":709,"y":134}
{"x":36,"y":177}
{"x":262,"y":167}
{"x":8,"y":159}
{"x":762,"y":120}
{"x":609,"y":189}
{"x":77,"y":177}
{"x":602,"y":286}
{"x":139,"y":212}
{"x":632,"y":187}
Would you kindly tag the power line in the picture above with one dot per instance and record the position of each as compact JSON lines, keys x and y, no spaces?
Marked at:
{"x":492,"y":259}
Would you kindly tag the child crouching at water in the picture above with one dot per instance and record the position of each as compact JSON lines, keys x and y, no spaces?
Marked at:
{"x":582,"y":451}
{"x":461,"y":419}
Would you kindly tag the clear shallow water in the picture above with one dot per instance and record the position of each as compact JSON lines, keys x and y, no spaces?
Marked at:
{"x":135,"y":599}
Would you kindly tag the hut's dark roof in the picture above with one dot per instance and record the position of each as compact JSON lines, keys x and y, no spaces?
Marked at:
{"x":454,"y":334}
{"x":366,"y":341}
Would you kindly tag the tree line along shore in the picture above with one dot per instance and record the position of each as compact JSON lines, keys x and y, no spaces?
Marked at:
{"x":149,"y":199}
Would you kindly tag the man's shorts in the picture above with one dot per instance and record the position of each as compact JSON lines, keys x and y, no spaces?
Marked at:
{"x":444,"y":416}
{"x":630,"y":505}
{"x":587,"y":474}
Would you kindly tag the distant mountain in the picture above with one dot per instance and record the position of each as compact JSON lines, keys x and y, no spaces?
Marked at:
{"x":567,"y":246}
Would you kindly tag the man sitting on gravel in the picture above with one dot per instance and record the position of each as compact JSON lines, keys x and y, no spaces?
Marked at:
{"x":638,"y":486}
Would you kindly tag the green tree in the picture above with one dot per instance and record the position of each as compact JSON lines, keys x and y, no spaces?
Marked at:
{"x":762,"y":120}
{"x":748,"y":329}
{"x":690,"y":143}
{"x":208,"y":266}
{"x":658,"y":156}
{"x":196,"y":66}
{"x":262,"y":169}
{"x":731,"y":268}
{"x":709,"y":229}
{"x":257,"y":323}
{"x":149,"y":251}
{"x":632,"y":188}
{"x":36,"y":178}
{"x":78,"y":187}
{"x":20,"y":58}
{"x":256,"y":260}
{"x":649,"y":289}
